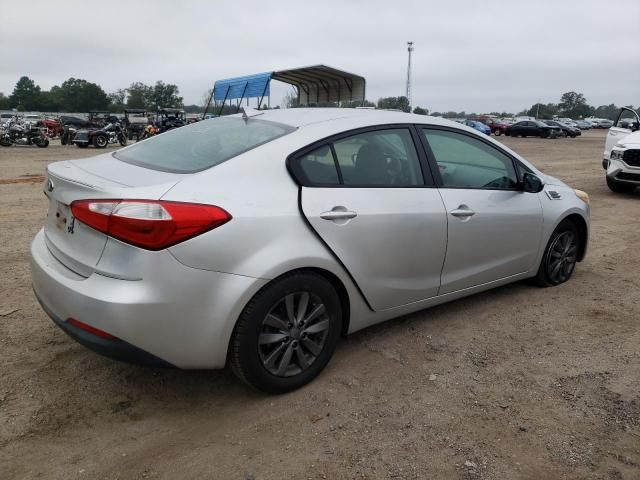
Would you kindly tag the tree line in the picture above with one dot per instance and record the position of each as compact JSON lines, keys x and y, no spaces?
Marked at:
{"x":571,"y":105}
{"x":78,"y":95}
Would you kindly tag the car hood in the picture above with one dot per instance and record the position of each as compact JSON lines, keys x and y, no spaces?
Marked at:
{"x":632,"y":139}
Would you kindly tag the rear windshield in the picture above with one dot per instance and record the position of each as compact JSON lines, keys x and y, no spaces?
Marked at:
{"x":202,"y":145}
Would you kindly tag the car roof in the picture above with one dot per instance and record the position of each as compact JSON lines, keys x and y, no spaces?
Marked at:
{"x":300,"y":117}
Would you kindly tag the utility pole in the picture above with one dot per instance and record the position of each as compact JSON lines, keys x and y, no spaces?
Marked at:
{"x":409,"y":49}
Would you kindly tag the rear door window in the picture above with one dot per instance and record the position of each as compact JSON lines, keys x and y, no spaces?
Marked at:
{"x":202,"y":145}
{"x":319,"y":167}
{"x":377,"y":158}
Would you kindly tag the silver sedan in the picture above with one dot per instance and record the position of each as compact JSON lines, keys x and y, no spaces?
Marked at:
{"x":255,"y":241}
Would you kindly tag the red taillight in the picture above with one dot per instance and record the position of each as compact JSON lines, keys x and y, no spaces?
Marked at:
{"x":150,"y":224}
{"x":88,"y":328}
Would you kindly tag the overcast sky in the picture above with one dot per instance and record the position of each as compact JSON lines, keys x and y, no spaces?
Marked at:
{"x":477,"y":56}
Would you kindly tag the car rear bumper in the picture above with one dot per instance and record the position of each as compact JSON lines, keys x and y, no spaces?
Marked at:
{"x":174,"y":314}
{"x":109,"y":347}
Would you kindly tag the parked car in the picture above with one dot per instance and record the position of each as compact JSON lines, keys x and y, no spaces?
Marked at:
{"x":479,"y":126}
{"x":498,"y":127}
{"x":566,"y":121}
{"x":584,"y":125}
{"x":532,"y":128}
{"x":567,"y":131}
{"x":622,"y":152}
{"x":600,"y":122}
{"x":257,"y":240}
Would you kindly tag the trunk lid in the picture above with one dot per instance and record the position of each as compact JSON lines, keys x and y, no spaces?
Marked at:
{"x":74,"y":244}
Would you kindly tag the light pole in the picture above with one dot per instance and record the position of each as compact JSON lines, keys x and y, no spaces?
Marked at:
{"x":409,"y":49}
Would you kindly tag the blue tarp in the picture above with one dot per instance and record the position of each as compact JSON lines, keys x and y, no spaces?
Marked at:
{"x":251,"y":86}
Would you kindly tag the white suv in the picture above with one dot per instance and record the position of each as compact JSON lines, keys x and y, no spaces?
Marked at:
{"x":622,"y":152}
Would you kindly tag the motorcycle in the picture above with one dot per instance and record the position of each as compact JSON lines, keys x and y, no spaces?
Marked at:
{"x":23,"y":134}
{"x":100,"y":137}
{"x":116,"y":133}
{"x":53,"y":127}
{"x":149,"y":131}
{"x":68,"y":134}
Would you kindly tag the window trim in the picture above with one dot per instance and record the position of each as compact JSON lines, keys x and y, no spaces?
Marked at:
{"x":434,"y":164}
{"x":293,"y":165}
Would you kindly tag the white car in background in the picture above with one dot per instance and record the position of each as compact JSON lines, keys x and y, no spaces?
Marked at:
{"x":622,"y":152}
{"x":600,"y":122}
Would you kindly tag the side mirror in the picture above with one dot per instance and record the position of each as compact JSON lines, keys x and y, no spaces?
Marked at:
{"x":531,"y":183}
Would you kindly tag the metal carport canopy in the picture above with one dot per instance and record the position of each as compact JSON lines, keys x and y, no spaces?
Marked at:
{"x":315,"y":84}
{"x":320,"y":83}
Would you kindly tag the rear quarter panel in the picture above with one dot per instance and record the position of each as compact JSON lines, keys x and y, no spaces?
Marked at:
{"x":267,"y":236}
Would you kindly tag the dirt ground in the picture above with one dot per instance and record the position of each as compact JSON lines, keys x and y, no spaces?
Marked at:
{"x":516,"y":383}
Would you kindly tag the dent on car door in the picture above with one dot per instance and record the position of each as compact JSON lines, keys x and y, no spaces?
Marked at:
{"x":365,"y":196}
{"x":494,"y":228}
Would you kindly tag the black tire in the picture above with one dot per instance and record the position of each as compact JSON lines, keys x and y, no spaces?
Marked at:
{"x":123,"y":140}
{"x":100,"y":141}
{"x":5,"y":142}
{"x":620,"y":187}
{"x":42,"y":143}
{"x":560,"y":258}
{"x":64,"y":139}
{"x":254,"y":362}
{"x":498,"y":132}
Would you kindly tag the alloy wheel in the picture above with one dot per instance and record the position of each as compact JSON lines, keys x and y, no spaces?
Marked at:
{"x":562,"y":257}
{"x":293,"y":334}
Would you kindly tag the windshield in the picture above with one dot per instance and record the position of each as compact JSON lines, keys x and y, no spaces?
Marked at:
{"x":202,"y":145}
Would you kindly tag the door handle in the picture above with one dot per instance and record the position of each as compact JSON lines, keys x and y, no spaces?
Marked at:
{"x":462,"y":212}
{"x":338,"y":215}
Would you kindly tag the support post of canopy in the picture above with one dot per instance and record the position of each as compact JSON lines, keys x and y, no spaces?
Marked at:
{"x":244,"y":90}
{"x":208,"y":105}
{"x":223,"y":101}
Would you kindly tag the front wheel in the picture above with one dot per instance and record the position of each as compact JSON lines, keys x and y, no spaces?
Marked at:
{"x":287,"y":333}
{"x":42,"y":142}
{"x":560,"y":256}
{"x":5,"y":141}
{"x":122,"y":139}
{"x":620,"y":187}
{"x":100,"y":141}
{"x":498,"y":132}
